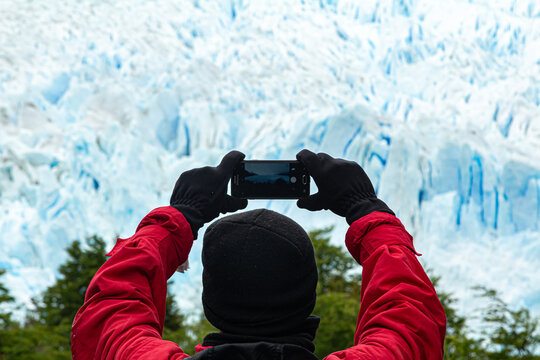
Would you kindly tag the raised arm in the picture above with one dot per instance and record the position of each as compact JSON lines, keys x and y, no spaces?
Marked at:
{"x":400,"y":316}
{"x":124,"y":309}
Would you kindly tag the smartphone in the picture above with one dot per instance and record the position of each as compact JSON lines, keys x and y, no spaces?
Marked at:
{"x":270,"y":179}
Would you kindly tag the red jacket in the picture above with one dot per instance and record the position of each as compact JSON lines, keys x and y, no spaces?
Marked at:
{"x":122,"y":317}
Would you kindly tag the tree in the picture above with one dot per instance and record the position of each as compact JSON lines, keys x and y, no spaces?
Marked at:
{"x":178,"y":330}
{"x":338,"y":295}
{"x":5,"y":317}
{"x":510,"y":334}
{"x":198,"y":330}
{"x":16,"y":342}
{"x":175,"y":328}
{"x":507,"y":335}
{"x":334,"y":265}
{"x":47,"y":329}
{"x":458,"y":345}
{"x":33,"y":342}
{"x":61,"y":301}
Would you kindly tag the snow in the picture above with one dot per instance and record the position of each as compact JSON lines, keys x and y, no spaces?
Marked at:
{"x":103,"y":104}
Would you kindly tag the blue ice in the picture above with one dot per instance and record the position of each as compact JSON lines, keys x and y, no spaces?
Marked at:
{"x":58,"y":87}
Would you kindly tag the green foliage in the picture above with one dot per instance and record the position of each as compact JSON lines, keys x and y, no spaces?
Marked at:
{"x":33,"y":342}
{"x":338,"y":312}
{"x":61,"y":301}
{"x":510,"y":334}
{"x":338,"y":295}
{"x":174,"y":328}
{"x":46,"y":331}
{"x":5,"y":317}
{"x":458,"y":344}
{"x":186,"y":334}
{"x":334,"y":265}
{"x":197,"y":331}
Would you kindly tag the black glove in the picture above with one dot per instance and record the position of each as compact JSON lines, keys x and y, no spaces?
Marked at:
{"x":344,"y":187}
{"x":201,"y":194}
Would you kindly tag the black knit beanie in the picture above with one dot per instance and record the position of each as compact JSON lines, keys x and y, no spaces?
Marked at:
{"x":259,"y":274}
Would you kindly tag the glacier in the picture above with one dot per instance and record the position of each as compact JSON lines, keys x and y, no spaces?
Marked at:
{"x":103,"y":104}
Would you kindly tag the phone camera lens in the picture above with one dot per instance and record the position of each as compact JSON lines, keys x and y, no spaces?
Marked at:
{"x":293,"y":179}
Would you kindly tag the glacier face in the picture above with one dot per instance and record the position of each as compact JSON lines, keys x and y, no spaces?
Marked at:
{"x":103,"y":105}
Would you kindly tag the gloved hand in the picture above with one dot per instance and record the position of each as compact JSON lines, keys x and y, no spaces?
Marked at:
{"x":344,"y":187}
{"x":201,"y":194}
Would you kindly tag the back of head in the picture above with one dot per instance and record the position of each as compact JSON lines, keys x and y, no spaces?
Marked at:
{"x":259,"y":274}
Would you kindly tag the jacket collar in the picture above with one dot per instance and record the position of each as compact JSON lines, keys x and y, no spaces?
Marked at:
{"x":302,"y":336}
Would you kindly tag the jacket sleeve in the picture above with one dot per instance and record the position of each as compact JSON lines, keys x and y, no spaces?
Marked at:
{"x":124,"y":309}
{"x":400,"y":316}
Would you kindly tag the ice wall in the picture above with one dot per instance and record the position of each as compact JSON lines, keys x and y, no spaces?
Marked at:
{"x":103,"y":104}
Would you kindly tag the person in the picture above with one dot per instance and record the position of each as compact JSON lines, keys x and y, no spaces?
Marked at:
{"x":259,"y":276}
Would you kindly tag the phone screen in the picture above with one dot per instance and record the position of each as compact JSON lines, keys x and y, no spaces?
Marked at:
{"x":259,"y":179}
